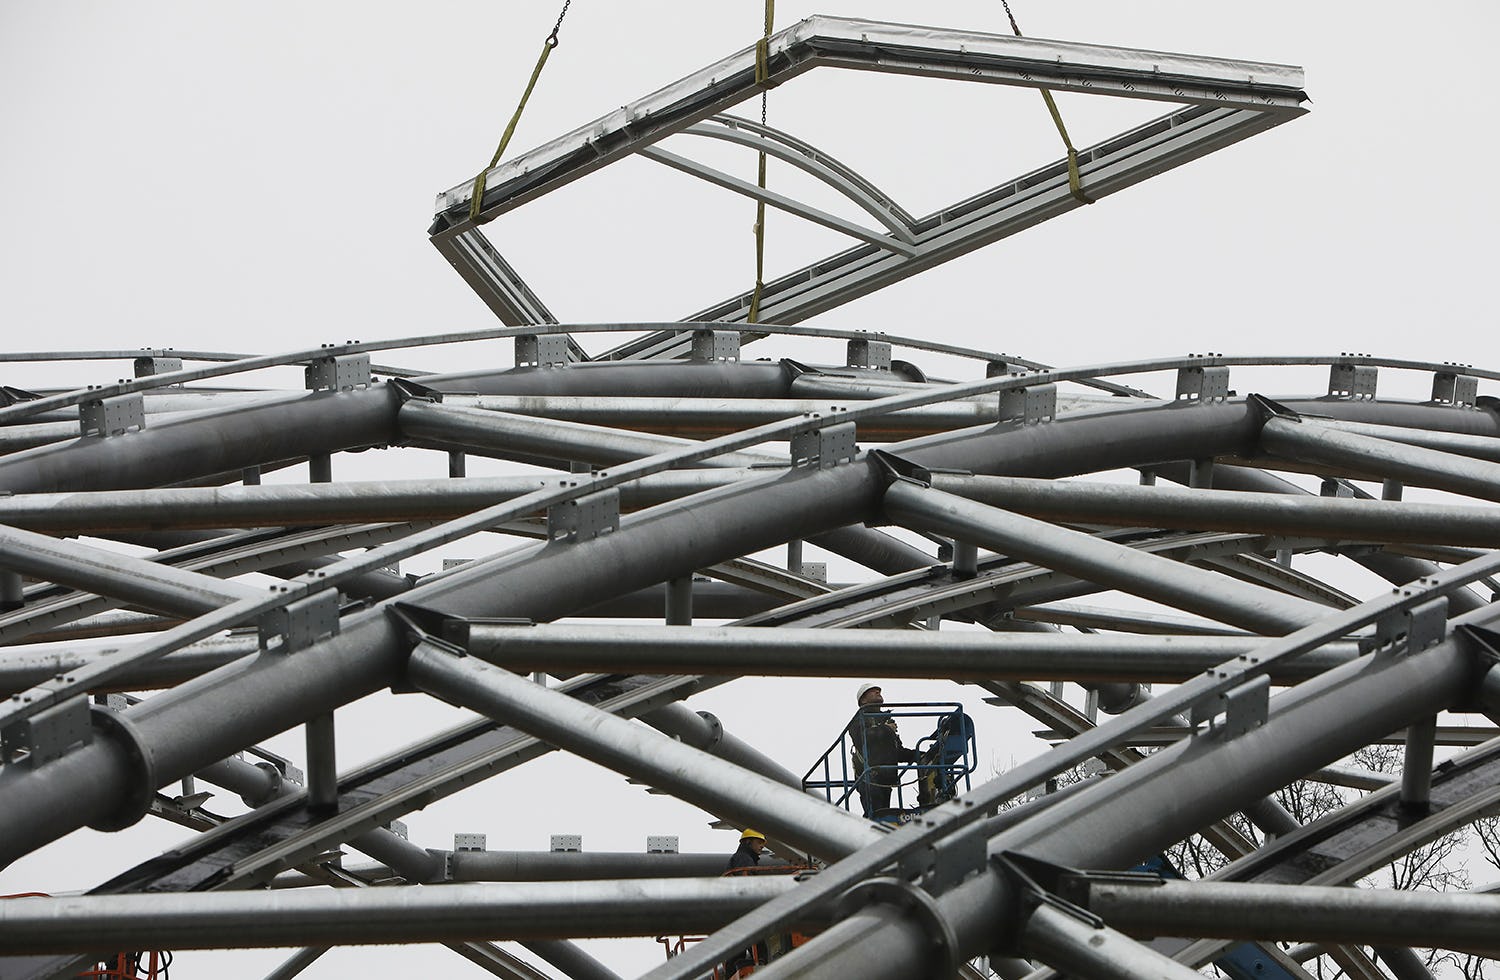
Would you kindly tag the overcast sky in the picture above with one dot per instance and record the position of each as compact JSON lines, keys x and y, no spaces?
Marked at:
{"x":259,"y":177}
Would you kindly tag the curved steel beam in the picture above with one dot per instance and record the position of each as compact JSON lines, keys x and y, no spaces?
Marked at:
{"x":804,"y":157}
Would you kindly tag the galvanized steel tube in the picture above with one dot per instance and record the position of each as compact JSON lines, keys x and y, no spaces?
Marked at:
{"x":354,"y":916}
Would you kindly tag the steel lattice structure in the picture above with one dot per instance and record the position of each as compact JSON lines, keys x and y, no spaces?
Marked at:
{"x":663,"y":441}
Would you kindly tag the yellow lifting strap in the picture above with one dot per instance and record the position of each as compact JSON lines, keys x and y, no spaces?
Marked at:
{"x":762,"y":75}
{"x":476,"y":196}
{"x":1075,"y":184}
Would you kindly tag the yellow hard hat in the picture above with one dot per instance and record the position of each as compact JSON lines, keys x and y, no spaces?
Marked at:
{"x":752,"y":835}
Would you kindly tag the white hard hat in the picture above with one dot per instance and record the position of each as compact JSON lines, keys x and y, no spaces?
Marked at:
{"x":863,"y":690}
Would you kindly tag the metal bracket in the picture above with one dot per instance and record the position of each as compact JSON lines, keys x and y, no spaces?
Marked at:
{"x":112,"y":416}
{"x":11,"y":395}
{"x":48,"y":734}
{"x":545,"y":350}
{"x":1455,"y":388}
{"x":410,"y":390}
{"x":815,"y":570}
{"x":1038,"y":882}
{"x":470,"y":842}
{"x":873,"y":354}
{"x":1270,"y":409}
{"x":1414,"y":629}
{"x":956,"y":859}
{"x":339,"y":372}
{"x":1356,"y":381}
{"x":590,"y":516}
{"x":420,"y":623}
{"x":1202,"y":384}
{"x":662,"y":844}
{"x":906,"y":896}
{"x":300,"y":623}
{"x":895,"y":468}
{"x":153,"y":364}
{"x":826,"y":447}
{"x":1029,"y":404}
{"x":1244,"y":708}
{"x":1485,"y":643}
{"x":566,"y":843}
{"x":716,"y":345}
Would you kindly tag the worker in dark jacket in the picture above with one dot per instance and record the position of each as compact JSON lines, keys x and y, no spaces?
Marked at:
{"x":752,"y":842}
{"x":877,"y":751}
{"x":747,"y":855}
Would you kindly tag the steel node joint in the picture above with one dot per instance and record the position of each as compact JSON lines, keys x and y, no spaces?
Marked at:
{"x":916,"y":903}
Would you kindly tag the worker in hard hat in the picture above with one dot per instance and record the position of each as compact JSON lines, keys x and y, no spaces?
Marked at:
{"x":752,"y":842}
{"x":747,"y":855}
{"x":876,"y":750}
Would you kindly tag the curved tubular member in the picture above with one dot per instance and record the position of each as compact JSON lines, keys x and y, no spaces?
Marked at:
{"x":845,"y":181}
{"x":356,"y":916}
{"x":186,"y":355}
{"x":161,"y":587}
{"x":282,"y":505}
{"x":304,"y":424}
{"x":1150,"y":576}
{"x":297,"y":425}
{"x":574,"y":962}
{"x":781,"y":201}
{"x":1310,"y":442}
{"x":1206,"y":510}
{"x":541,"y":583}
{"x":787,"y":651}
{"x":748,"y":799}
{"x":688,"y":379}
{"x":502,"y":431}
{"x":1116,"y":822}
{"x":581,"y":865}
{"x":786,"y":147}
{"x":1360,"y":916}
{"x":1098,"y":952}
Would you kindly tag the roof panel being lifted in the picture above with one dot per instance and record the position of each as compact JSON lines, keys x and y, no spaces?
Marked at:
{"x":1222,"y":101}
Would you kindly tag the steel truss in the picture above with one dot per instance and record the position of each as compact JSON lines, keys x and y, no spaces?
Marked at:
{"x":669,"y":491}
{"x":1357,"y":670}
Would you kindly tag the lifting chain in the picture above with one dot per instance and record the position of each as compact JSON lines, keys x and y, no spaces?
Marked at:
{"x":476,"y":195}
{"x":1075,"y":184}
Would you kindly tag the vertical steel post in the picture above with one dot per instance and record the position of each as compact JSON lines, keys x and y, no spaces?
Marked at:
{"x":457,"y":464}
{"x":1201,"y":474}
{"x":12,"y":596}
{"x":680,"y":601}
{"x":965,"y":559}
{"x":320,"y":468}
{"x":322,"y":766}
{"x":1416,"y":769}
{"x":794,"y":554}
{"x":1391,"y":489}
{"x":250,"y":476}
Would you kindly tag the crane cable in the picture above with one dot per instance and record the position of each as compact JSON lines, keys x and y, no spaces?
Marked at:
{"x":476,"y":196}
{"x":1075,"y":184}
{"x":762,"y":77}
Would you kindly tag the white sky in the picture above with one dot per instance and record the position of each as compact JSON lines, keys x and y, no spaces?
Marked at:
{"x":259,"y":177}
